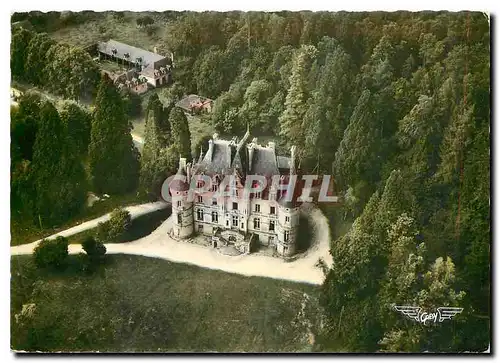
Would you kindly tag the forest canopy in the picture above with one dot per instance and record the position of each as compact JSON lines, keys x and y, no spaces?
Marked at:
{"x":396,"y":106}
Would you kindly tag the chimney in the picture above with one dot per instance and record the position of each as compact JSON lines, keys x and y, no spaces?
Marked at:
{"x":292,"y":160}
{"x":188,"y":172}
{"x":250,"y":155}
{"x":182,"y":163}
{"x":201,"y":155}
{"x":210,"y":149}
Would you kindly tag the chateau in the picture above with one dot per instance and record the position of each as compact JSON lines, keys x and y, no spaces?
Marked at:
{"x":226,"y":211}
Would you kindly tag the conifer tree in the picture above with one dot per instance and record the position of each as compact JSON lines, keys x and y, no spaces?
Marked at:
{"x":36,"y":53}
{"x":113,"y":158}
{"x":77,"y":122}
{"x":58,"y":174}
{"x":291,"y":121}
{"x":156,"y":140}
{"x":19,"y":52}
{"x":181,"y":136}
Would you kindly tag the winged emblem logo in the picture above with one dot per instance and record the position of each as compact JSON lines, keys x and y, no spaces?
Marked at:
{"x":416,"y":313}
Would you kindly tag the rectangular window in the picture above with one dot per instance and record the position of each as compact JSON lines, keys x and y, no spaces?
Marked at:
{"x":256,"y":223}
{"x":273,"y":210}
{"x":258,"y":195}
{"x":215,"y":217}
{"x":214,"y":201}
{"x":199,"y":183}
{"x":200,"y":214}
{"x":235,"y":221}
{"x":179,"y":204}
{"x":271,"y":225}
{"x":200,"y":199}
{"x":214,"y":187}
{"x":179,"y":219}
{"x":235,"y":206}
{"x":200,"y":227}
{"x":257,"y":208}
{"x":287,"y":219}
{"x":286,"y":236}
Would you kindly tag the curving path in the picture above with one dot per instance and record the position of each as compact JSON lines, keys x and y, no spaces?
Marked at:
{"x":135,"y":211}
{"x":159,"y":245}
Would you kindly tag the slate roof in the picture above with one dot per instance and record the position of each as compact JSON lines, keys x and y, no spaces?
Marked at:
{"x":283,"y":162}
{"x":228,"y":155}
{"x":264,"y":162}
{"x":177,"y":184}
{"x":148,"y":58}
{"x":219,"y":162}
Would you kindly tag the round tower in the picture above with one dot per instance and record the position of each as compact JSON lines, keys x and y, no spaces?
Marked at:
{"x":182,"y":207}
{"x":288,"y":225}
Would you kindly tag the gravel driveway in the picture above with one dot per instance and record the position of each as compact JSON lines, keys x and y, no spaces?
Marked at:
{"x":159,"y":245}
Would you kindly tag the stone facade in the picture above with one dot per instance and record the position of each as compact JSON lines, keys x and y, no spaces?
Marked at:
{"x":268,"y":215}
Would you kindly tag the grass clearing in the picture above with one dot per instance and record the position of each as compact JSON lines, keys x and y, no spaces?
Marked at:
{"x":199,"y":127}
{"x":135,"y":303}
{"x":140,"y":227}
{"x":108,"y":26}
{"x":23,"y":230}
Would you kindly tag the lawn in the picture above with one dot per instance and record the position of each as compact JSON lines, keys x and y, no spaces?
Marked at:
{"x":109,"y":27}
{"x":139,"y":227}
{"x":199,"y":127}
{"x":23,"y":231}
{"x":136,"y":303}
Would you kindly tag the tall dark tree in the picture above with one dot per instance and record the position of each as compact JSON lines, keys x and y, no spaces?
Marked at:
{"x":156,"y":140}
{"x":24,"y":124}
{"x":58,"y":174}
{"x":19,"y":52}
{"x":37,"y":51}
{"x":291,"y":121}
{"x":113,"y":158}
{"x":77,"y":122}
{"x":327,"y":114}
{"x":181,"y":136}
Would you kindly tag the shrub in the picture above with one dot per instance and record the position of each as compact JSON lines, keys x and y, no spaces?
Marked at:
{"x":119,"y":222}
{"x":114,"y":230}
{"x":51,"y":253}
{"x":103,"y":232}
{"x":93,"y":248}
